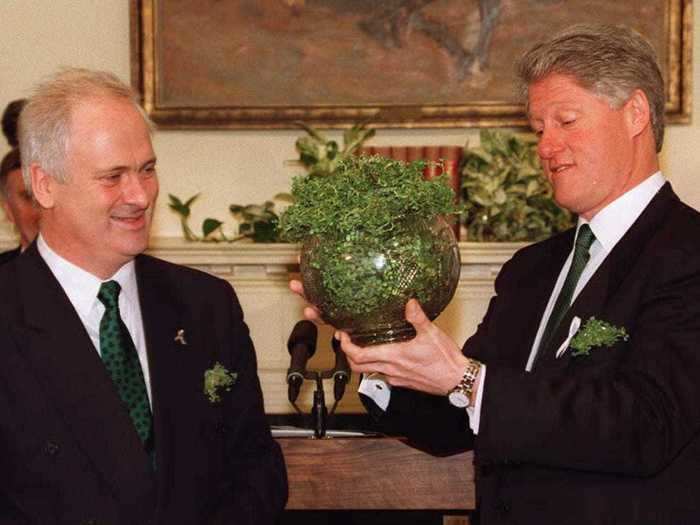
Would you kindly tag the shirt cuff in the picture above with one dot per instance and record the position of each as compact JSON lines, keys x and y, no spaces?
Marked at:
{"x":474,"y":412}
{"x":377,"y":389}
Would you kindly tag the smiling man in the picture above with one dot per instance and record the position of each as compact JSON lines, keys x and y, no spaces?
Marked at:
{"x":105,"y":415}
{"x":573,"y":420}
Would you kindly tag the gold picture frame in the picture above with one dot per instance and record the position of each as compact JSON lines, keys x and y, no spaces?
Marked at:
{"x":262,"y":64}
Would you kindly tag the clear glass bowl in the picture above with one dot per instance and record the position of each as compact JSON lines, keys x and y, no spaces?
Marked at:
{"x":361,"y":284}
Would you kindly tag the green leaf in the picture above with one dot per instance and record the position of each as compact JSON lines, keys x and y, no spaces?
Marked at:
{"x":285,"y":197}
{"x":331,"y":149}
{"x":191,"y":200}
{"x":210,"y":225}
{"x":178,"y":207}
{"x":355,"y":137}
{"x":311,"y":131}
{"x":174,"y":201}
{"x":265,"y":231}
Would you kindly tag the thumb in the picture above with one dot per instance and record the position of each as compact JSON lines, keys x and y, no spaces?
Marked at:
{"x":416,"y":316}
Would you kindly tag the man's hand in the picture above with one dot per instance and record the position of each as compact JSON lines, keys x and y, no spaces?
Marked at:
{"x":431,"y":362}
{"x":310,"y":312}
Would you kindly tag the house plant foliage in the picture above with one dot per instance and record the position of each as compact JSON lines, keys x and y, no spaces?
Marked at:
{"x":372,"y":237}
{"x":506,"y":195}
{"x":258,"y":222}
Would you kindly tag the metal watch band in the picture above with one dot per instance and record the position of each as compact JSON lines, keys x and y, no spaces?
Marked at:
{"x":466,"y":384}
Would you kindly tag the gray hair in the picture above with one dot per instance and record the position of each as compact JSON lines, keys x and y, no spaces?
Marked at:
{"x":44,"y":123}
{"x":610,"y":61}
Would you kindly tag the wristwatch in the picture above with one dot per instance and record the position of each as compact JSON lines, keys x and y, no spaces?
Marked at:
{"x":460,"y":395}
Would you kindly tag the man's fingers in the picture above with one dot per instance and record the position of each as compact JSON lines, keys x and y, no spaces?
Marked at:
{"x":358,"y":356}
{"x":416,"y":316}
{"x":312,"y":314}
{"x":367,"y":359}
{"x":297,"y":287}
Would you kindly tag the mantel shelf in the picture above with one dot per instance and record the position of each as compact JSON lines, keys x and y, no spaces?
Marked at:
{"x":245,"y":252}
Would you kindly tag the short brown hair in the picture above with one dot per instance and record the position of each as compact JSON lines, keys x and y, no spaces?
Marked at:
{"x":10,"y":162}
{"x":610,"y":61}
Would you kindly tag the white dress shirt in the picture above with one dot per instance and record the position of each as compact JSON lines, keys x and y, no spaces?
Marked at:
{"x":82,"y":287}
{"x":608,"y":225}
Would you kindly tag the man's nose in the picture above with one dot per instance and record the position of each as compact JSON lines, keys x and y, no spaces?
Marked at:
{"x":549,"y":144}
{"x":135,"y":190}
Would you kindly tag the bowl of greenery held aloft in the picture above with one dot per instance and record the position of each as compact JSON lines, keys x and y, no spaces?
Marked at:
{"x":373,"y":236}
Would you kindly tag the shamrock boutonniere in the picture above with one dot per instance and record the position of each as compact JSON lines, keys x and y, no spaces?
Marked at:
{"x":596,"y":333}
{"x":216,"y":379}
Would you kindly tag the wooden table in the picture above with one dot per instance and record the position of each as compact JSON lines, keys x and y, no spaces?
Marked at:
{"x":361,"y":473}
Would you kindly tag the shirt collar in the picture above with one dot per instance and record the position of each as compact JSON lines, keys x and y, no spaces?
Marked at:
{"x":613,"y":221}
{"x":81,"y":286}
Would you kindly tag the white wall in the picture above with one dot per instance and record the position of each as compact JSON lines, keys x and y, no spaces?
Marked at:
{"x":225,"y":166}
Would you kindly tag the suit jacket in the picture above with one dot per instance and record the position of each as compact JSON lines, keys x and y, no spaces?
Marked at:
{"x":69,"y":452}
{"x":608,"y":438}
{"x":9,"y":255}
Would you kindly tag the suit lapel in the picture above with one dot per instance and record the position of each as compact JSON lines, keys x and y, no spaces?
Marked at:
{"x":612,"y":272}
{"x":72,"y":373}
{"x":533,"y":287}
{"x":161,"y":323}
{"x":177,"y":366}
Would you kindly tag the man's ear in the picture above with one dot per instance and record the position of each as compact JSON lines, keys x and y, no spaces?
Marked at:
{"x":43,"y":186}
{"x":638,"y":112}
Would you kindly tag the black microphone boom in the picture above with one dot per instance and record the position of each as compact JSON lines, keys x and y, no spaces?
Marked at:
{"x":342,"y":372}
{"x":301,"y":346}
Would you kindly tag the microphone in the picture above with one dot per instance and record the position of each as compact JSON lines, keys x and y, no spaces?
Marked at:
{"x":341,"y":371}
{"x":301,"y":346}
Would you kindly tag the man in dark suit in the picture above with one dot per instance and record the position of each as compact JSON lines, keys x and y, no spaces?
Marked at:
{"x":575,"y":421}
{"x":17,"y":204}
{"x":128,"y":386}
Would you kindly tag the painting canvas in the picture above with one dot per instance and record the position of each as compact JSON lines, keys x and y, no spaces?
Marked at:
{"x":400,"y":63}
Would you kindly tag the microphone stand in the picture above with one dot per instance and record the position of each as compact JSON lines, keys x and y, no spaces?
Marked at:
{"x":340,"y":374}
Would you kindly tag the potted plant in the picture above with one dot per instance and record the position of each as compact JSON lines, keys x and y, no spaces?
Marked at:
{"x":373,"y":236}
{"x":506,"y":196}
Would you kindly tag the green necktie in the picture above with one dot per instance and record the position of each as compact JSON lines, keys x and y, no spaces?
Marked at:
{"x":122,"y":362}
{"x":584,"y":240}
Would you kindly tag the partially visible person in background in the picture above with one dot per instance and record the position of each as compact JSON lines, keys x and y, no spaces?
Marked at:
{"x":10,"y":118}
{"x":17,"y":204}
{"x":15,"y":200}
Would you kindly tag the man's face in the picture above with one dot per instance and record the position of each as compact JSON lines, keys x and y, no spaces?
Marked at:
{"x":586,"y":146}
{"x":100,"y":218}
{"x":19,"y":208}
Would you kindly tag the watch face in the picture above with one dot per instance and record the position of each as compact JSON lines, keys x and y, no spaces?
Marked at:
{"x":459,"y":399}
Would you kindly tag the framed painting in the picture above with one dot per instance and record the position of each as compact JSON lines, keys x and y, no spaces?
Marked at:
{"x":393,"y":63}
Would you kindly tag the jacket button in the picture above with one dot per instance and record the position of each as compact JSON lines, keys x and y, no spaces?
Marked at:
{"x":51,"y":448}
{"x":503,"y":507}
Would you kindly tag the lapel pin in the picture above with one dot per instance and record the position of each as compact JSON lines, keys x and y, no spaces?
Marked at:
{"x":180,"y":337}
{"x":573,"y":328}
